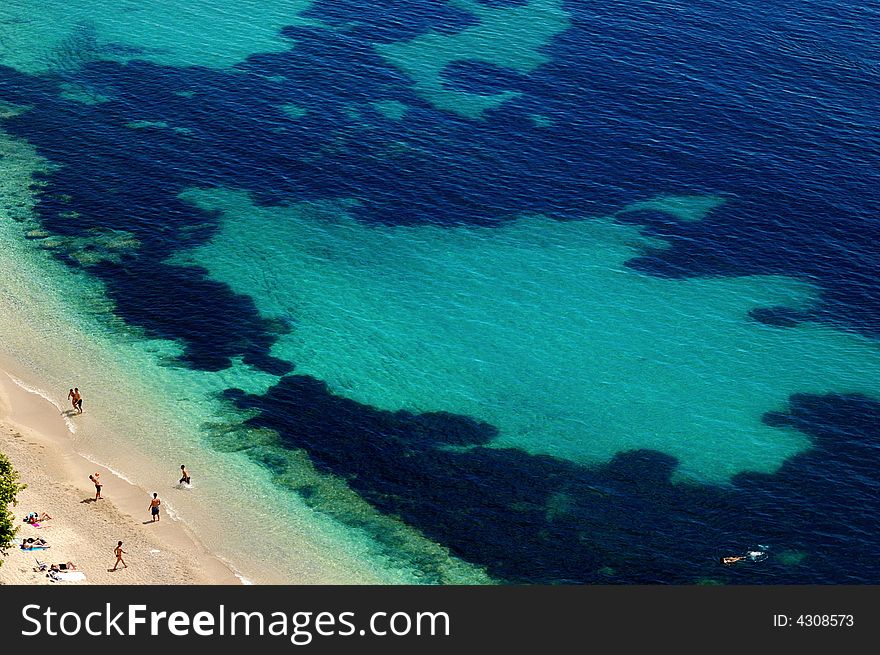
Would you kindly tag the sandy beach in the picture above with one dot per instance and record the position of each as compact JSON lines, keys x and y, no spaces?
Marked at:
{"x":84,"y":531}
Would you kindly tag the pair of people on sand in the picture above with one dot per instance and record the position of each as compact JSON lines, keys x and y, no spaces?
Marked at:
{"x":96,"y":480}
{"x":75,"y":398}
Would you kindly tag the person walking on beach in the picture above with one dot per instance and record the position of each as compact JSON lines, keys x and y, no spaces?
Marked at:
{"x":184,"y":475}
{"x":119,"y":553}
{"x":154,"y":507}
{"x":96,"y":478}
{"x":77,"y":400}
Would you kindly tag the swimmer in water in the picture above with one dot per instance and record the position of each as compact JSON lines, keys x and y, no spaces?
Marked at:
{"x":753,"y":555}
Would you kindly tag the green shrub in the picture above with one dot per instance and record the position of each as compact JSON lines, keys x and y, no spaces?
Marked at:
{"x":9,"y":487}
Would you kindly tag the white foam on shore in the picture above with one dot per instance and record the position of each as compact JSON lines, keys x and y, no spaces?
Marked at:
{"x":236,"y":572}
{"x":94,"y":460}
{"x":170,"y":511}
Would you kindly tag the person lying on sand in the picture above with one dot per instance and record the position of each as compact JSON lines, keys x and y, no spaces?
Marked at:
{"x":63,"y":566}
{"x":31,"y":544}
{"x":34,"y":518}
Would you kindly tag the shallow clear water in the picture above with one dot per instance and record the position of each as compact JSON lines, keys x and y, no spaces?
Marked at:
{"x":537,"y":328}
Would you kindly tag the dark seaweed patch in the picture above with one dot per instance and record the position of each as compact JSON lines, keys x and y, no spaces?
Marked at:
{"x":529,"y":518}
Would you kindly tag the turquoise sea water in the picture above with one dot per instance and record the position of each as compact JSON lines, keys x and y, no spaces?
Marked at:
{"x":537,"y":328}
{"x":46,"y":38}
{"x":464,"y":291}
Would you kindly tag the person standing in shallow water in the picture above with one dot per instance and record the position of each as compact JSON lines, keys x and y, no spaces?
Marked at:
{"x":72,"y":398}
{"x":184,"y":475}
{"x":154,"y":507}
{"x":77,"y":400}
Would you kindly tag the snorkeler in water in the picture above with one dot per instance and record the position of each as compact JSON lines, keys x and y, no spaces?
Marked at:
{"x":756,"y":554}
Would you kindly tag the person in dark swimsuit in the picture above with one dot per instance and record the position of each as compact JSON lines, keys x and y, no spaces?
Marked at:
{"x":184,"y":475}
{"x":72,"y":398}
{"x":77,"y":400}
{"x":154,"y":506}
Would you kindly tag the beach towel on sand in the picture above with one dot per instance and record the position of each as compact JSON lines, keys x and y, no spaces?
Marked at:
{"x":67,"y":576}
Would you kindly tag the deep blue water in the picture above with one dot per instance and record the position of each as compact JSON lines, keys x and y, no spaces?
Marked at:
{"x":775,"y":107}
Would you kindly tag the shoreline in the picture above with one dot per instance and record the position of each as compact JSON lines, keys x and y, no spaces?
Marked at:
{"x":205,"y":535}
{"x":36,"y":438}
{"x":145,"y":414}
